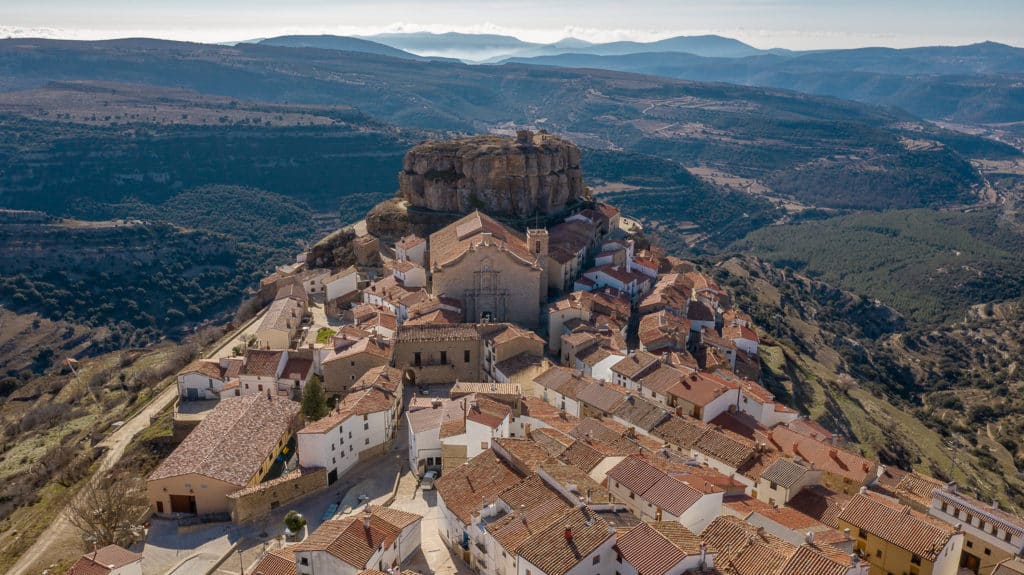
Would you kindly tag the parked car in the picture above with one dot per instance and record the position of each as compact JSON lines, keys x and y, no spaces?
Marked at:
{"x":427,"y":481}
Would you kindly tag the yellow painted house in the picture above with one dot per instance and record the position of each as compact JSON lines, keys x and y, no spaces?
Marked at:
{"x":897,"y":540}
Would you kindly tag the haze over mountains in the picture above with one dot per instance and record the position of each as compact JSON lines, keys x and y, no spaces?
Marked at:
{"x":973,"y":83}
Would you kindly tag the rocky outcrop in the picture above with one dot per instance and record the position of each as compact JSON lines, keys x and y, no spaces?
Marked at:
{"x":532,"y":174}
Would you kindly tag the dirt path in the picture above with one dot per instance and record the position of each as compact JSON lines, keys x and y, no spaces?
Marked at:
{"x":60,"y":532}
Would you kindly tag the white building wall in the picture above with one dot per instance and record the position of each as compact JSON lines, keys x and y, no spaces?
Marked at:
{"x":720,"y":405}
{"x":948,"y":562}
{"x":206,"y":387}
{"x":702,"y":513}
{"x":342,"y":286}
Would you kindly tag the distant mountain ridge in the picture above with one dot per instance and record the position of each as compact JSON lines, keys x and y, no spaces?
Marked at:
{"x":343,"y":43}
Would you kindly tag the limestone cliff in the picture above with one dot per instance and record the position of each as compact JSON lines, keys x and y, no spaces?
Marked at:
{"x":529,"y":175}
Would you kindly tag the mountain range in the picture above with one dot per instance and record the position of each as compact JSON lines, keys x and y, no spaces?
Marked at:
{"x":978,"y":83}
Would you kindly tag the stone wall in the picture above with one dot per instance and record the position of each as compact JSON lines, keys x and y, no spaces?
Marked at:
{"x":533,"y":174}
{"x":260,"y":499}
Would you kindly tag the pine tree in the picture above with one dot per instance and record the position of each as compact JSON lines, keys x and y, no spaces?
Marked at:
{"x":314,"y":401}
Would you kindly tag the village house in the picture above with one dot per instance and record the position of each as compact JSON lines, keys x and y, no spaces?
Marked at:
{"x":412,"y":248}
{"x":504,"y":342}
{"x":378,"y":538}
{"x":606,"y":308}
{"x":498,"y":274}
{"x":207,"y":378}
{"x":783,"y":479}
{"x":655,"y":493}
{"x":622,"y":278}
{"x":570,"y":245}
{"x":893,"y":538}
{"x":464,"y":491}
{"x":282,"y":372}
{"x":662,"y":548}
{"x":670,"y":294}
{"x":991,"y":535}
{"x":349,"y":358}
{"x":843,"y":471}
{"x":362,"y":424}
{"x":439,"y":354}
{"x":342,"y":284}
{"x":108,"y":560}
{"x":231,"y":449}
{"x":280,"y":325}
{"x":753,"y":550}
{"x":661,"y":331}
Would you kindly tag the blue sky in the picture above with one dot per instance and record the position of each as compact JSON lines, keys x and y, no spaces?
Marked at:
{"x":795,"y":24}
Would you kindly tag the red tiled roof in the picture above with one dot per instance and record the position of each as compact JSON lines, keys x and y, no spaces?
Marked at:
{"x":350,"y":541}
{"x":262,"y":362}
{"x":277,"y":562}
{"x":480,"y":481}
{"x":897,"y":524}
{"x":207,"y":367}
{"x":823,"y":455}
{"x":555,"y":554}
{"x":233,"y":441}
{"x":650,"y":552}
{"x":103,"y":561}
{"x":452,"y":241}
{"x":821,"y":504}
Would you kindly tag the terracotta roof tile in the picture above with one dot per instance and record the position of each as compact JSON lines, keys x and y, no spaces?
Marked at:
{"x":555,"y":554}
{"x":277,"y":562}
{"x":481,"y":480}
{"x":233,"y":441}
{"x":897,"y":524}
{"x":821,"y":504}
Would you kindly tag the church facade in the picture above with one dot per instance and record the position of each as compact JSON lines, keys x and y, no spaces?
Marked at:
{"x":498,"y":274}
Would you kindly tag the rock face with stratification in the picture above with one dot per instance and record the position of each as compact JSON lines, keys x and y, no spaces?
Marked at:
{"x":523,"y":176}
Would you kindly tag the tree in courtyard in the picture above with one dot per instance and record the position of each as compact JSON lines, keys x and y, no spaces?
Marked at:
{"x":314,"y":401}
{"x":294,"y":521}
{"x":110,"y":509}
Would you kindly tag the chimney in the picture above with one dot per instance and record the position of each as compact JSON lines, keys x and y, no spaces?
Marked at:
{"x":703,"y":555}
{"x":522,"y":513}
{"x":568,"y":533}
{"x":366,"y":519}
{"x":846,"y":533}
{"x":995,"y":504}
{"x":590,"y":495}
{"x":863,"y":490}
{"x":854,"y":559}
{"x":809,"y":538}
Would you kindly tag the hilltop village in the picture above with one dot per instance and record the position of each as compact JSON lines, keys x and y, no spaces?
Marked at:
{"x":557,"y":395}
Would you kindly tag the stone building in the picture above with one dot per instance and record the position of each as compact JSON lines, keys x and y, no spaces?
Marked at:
{"x":497,"y":273}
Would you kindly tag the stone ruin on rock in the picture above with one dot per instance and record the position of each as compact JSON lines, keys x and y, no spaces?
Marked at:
{"x":531,"y":174}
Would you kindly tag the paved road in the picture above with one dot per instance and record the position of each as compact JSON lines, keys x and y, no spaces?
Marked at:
{"x":36,"y":557}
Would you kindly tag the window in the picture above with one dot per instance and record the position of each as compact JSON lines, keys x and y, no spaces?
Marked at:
{"x":988,"y":551}
{"x":334,"y":460}
{"x":861,"y":534}
{"x":774,"y":485}
{"x":970,"y":544}
{"x":366,"y":426}
{"x":304,"y":561}
{"x":159,"y":506}
{"x":915,"y":560}
{"x":444,"y":357}
{"x":416,"y":359}
{"x":210,"y":382}
{"x":261,"y":387}
{"x":618,"y":557}
{"x":970,"y":518}
{"x":878,"y":553}
{"x":945,"y":506}
{"x":465,"y":356}
{"x":367,"y":442}
{"x":366,"y":417}
{"x":597,"y":559}
{"x":1006,"y":536}
{"x":353,"y":364}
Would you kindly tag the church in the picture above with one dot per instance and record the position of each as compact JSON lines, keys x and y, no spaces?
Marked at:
{"x":498,"y":274}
